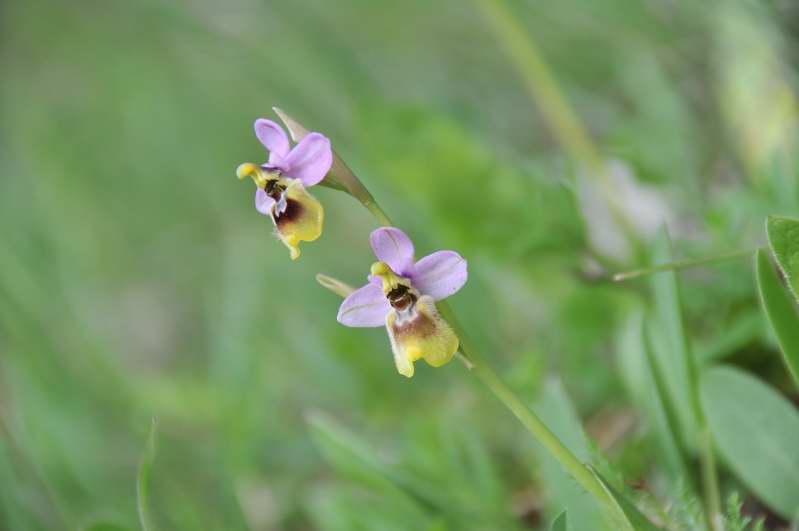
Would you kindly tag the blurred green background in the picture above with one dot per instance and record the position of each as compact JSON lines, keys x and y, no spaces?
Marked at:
{"x":138,"y":281}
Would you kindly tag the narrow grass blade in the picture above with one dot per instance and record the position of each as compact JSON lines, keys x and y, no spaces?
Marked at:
{"x":670,"y":416}
{"x":556,"y":409}
{"x":635,"y":518}
{"x":636,"y":368}
{"x":560,"y":523}
{"x":670,"y":346}
{"x":354,"y":459}
{"x":781,"y":312}
{"x":783,"y":238}
{"x":143,"y":479}
{"x":757,"y":433}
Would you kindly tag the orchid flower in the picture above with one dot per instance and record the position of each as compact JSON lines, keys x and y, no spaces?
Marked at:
{"x":281,"y":183}
{"x":401,"y":295}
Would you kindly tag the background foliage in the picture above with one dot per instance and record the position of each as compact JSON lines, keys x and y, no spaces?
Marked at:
{"x":137,"y":280}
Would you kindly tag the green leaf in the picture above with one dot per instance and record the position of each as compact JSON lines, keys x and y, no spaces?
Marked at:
{"x":670,"y":346}
{"x":783,"y":237}
{"x":143,"y":479}
{"x":557,"y":411}
{"x":639,"y":378}
{"x":757,"y":434}
{"x":670,"y":420}
{"x":635,"y":517}
{"x":560,"y":523}
{"x":781,"y":312}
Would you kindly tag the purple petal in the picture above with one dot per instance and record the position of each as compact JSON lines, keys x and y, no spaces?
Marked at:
{"x":393,"y":247}
{"x":276,"y":162}
{"x":310,"y":160}
{"x":263,"y":203}
{"x":365,"y":307}
{"x":273,"y":138}
{"x":440,"y":274}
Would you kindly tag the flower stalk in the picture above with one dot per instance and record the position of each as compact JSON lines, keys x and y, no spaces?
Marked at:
{"x":488,"y":377}
{"x":344,"y":178}
{"x":341,"y":176}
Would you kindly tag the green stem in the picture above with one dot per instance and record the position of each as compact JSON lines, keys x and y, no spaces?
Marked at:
{"x":710,"y":482}
{"x":543,"y":90}
{"x":377,"y":212}
{"x":526,"y":416}
{"x":474,"y":362}
{"x":682,"y":264}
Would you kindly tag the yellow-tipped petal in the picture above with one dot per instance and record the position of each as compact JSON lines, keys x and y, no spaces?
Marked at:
{"x":423,"y":334}
{"x":390,"y":279}
{"x":302,"y":219}
{"x":259,"y":175}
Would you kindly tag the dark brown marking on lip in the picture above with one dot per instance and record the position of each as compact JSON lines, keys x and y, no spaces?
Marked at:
{"x":420,"y":325}
{"x":293,"y":212}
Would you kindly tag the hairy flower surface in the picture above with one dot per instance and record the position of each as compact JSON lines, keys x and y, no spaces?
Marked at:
{"x":281,"y":183}
{"x":401,"y":295}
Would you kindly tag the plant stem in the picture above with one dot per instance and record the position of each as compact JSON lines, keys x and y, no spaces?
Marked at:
{"x":710,"y":482}
{"x":682,"y":264}
{"x":543,"y":89}
{"x":526,"y":416}
{"x":378,"y":212}
{"x":474,"y":362}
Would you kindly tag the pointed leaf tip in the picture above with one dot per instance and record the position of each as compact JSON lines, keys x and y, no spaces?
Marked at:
{"x":143,"y":478}
{"x":560,"y":523}
{"x":783,"y":239}
{"x":296,"y":129}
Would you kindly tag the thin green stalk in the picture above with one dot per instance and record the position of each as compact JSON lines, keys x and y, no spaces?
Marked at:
{"x":475,"y":363}
{"x":710,"y":481}
{"x":548,"y":98}
{"x":378,"y":213}
{"x":682,"y":264}
{"x":531,"y":421}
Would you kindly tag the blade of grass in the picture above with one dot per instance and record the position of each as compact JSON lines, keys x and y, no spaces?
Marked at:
{"x":678,"y":357}
{"x":634,"y":516}
{"x":556,"y":409}
{"x":667,"y":407}
{"x":143,"y":479}
{"x":352,"y":456}
{"x":560,"y":523}
{"x":636,"y":369}
{"x":670,"y":346}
